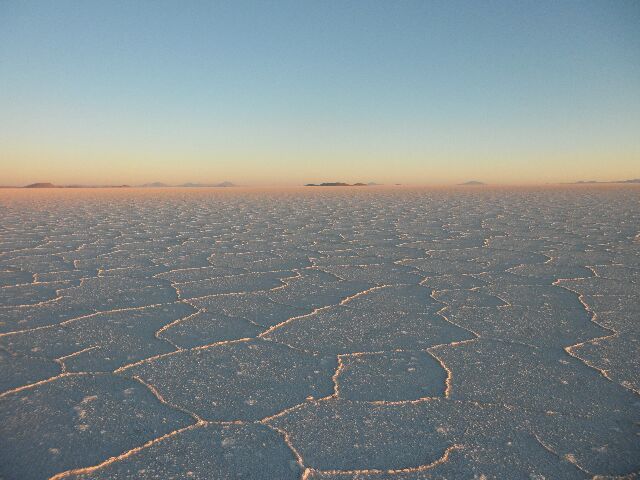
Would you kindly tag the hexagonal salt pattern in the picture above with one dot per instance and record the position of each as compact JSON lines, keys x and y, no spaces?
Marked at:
{"x":358,"y":334}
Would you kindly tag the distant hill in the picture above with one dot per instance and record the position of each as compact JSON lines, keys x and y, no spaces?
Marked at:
{"x":41,"y":185}
{"x":472,"y":182}
{"x":632,"y":180}
{"x":155,"y":185}
{"x":96,"y":186}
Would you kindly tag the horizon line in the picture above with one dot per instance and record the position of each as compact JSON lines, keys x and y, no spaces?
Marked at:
{"x":231,"y":185}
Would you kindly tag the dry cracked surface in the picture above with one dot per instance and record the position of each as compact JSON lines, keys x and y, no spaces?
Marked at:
{"x":332,"y":335}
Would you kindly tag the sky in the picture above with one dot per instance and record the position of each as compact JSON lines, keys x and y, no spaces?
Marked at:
{"x":291,"y":92}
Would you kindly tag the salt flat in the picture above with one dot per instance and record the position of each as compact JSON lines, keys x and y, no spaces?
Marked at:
{"x":346,"y":333}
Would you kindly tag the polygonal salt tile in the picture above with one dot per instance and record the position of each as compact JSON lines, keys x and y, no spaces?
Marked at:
{"x":605,"y":443}
{"x":202,"y":273}
{"x":204,"y":328}
{"x":618,"y":272}
{"x":21,"y":318}
{"x":306,"y":292}
{"x":345,"y":260}
{"x":536,"y":296}
{"x":467,"y":298}
{"x":111,"y":293}
{"x":550,"y":272}
{"x":399,"y":300}
{"x":617,"y":355}
{"x":29,"y":294}
{"x":341,"y":329}
{"x":453,"y":282}
{"x":250,"y":282}
{"x":78,"y":421}
{"x":256,"y":308}
{"x":390,"y":376}
{"x":601,"y":286}
{"x":343,"y":435}
{"x":239,"y":380}
{"x":434,"y":266}
{"x":18,"y":370}
{"x":223,"y":452}
{"x":532,"y":378}
{"x":385,"y":274}
{"x":8,"y":278}
{"x":110,"y":339}
{"x":543,"y":327}
{"x":37,"y":263}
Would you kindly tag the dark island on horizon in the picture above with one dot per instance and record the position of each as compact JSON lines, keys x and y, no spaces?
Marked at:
{"x":582,"y":182}
{"x":51,"y":185}
{"x":146,"y":185}
{"x":45,"y":185}
{"x":473,"y":182}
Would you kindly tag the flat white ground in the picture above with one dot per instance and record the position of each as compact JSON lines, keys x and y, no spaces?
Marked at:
{"x":334,"y":334}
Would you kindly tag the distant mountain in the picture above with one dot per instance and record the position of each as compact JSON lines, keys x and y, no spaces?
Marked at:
{"x":96,"y":186}
{"x":371,"y":184}
{"x":221,"y":184}
{"x":472,"y":182}
{"x":632,"y":180}
{"x":41,"y":185}
{"x":155,"y":185}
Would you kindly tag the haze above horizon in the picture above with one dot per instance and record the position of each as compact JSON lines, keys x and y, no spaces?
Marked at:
{"x":287,"y":93}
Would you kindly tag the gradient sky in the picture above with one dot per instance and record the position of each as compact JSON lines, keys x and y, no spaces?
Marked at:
{"x":279,"y":92}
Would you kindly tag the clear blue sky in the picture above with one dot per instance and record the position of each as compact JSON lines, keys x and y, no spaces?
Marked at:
{"x":289,"y":92}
